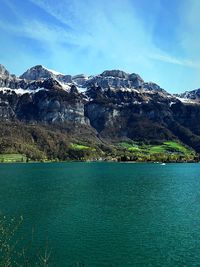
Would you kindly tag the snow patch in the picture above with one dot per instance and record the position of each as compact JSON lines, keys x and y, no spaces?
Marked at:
{"x":53,"y":71}
{"x":20,"y":91}
{"x":124,"y":89}
{"x":65,"y":86}
{"x":81,"y":89}
{"x":172,"y":103}
{"x":186,"y":100}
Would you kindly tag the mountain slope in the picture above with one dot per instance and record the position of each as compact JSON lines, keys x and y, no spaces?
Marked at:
{"x":113,"y":106}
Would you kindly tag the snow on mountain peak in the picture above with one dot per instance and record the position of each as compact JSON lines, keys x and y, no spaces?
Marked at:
{"x":53,"y":71}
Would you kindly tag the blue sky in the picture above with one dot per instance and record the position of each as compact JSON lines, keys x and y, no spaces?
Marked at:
{"x":157,"y":39}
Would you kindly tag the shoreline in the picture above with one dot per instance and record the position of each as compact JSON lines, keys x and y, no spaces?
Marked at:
{"x":98,"y":161}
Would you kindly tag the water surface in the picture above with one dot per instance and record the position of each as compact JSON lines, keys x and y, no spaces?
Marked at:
{"x":108,"y":214}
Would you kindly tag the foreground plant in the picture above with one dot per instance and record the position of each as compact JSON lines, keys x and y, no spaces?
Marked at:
{"x":14,"y":251}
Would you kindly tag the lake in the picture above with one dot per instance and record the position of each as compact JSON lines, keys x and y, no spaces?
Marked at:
{"x":107,"y":214}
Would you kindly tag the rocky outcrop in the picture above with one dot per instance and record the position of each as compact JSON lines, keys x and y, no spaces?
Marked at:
{"x":39,"y":72}
{"x":115,"y":79}
{"x":36,"y":73}
{"x":4,"y":71}
{"x":80,"y":80}
{"x":6,"y":112}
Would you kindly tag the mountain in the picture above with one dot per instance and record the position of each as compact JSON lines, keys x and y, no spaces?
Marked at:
{"x":99,"y":111}
{"x":40,"y":72}
{"x":190,"y":96}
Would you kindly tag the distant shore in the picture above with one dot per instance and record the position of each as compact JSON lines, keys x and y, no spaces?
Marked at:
{"x":95,"y":161}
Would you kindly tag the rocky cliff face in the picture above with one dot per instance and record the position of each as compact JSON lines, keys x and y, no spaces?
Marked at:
{"x":116,"y":104}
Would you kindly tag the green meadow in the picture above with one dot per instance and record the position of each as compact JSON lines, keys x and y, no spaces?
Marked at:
{"x":165,"y":151}
{"x":12,"y":158}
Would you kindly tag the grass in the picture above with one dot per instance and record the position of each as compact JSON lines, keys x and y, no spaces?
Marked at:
{"x":168,"y":151}
{"x":81,"y":147}
{"x":168,"y":147}
{"x":177,"y":147}
{"x":157,"y":149}
{"x":129,"y":146}
{"x":12,"y":158}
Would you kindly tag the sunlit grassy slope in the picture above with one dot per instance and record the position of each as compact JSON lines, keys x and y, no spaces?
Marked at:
{"x":12,"y":158}
{"x":168,"y":147}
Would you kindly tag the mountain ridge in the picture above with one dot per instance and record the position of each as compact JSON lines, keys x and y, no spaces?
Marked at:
{"x":38,"y":72}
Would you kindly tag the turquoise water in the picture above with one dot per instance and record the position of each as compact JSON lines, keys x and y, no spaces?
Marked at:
{"x":108,"y":214}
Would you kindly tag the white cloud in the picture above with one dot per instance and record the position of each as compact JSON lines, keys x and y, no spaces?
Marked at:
{"x":98,"y":35}
{"x":109,"y":29}
{"x":174,"y":60}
